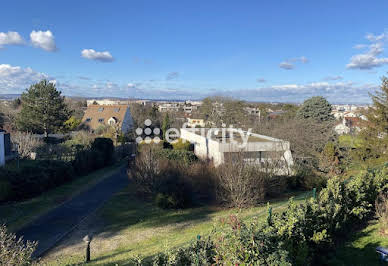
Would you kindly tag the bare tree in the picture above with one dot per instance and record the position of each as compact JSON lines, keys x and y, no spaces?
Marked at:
{"x":26,"y":143}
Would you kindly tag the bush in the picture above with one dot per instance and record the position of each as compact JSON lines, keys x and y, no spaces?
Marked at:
{"x":105,"y":147}
{"x":171,"y":183}
{"x":186,"y":157}
{"x":36,"y":177}
{"x":183,"y":145}
{"x":100,"y":154}
{"x":5,"y":190}
{"x":174,"y":188}
{"x":14,"y":251}
{"x":297,"y":236}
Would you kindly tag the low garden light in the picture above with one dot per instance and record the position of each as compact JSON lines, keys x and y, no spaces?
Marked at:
{"x":87,"y":239}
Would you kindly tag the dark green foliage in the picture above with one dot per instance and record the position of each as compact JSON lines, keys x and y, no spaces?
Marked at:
{"x":174,"y":190}
{"x":316,"y":108}
{"x":33,"y":179}
{"x":105,"y":147}
{"x":165,"y":125}
{"x":100,"y":154}
{"x":200,"y":252}
{"x":43,"y":109}
{"x":300,"y":235}
{"x":374,"y":136}
{"x":177,"y":155}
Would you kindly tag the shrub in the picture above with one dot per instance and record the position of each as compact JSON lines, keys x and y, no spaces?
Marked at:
{"x":183,"y":145}
{"x":171,"y":183}
{"x":175,"y":188}
{"x":5,"y":190}
{"x":186,"y":157}
{"x":300,"y":234}
{"x":200,"y":252}
{"x":36,"y":177}
{"x":105,"y":147}
{"x":13,"y":250}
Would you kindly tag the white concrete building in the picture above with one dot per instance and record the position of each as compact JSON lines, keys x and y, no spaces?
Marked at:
{"x":219,"y":145}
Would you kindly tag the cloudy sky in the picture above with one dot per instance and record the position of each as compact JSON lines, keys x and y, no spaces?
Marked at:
{"x":268,"y":50}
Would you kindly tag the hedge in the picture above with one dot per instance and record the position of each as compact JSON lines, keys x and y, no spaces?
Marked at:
{"x":35,"y":177}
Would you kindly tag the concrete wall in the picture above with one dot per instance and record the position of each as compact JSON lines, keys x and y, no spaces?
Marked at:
{"x":207,"y":148}
{"x":2,"y":149}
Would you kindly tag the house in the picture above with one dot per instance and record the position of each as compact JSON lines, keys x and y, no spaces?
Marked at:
{"x":194,"y":122}
{"x":221,"y":145}
{"x":169,"y":107}
{"x":349,"y":125}
{"x":6,"y":152}
{"x":118,"y":116}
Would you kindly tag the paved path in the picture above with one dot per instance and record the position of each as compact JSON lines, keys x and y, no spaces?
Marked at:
{"x":57,"y":223}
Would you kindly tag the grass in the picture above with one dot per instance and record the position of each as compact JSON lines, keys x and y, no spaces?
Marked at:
{"x":131,"y":227}
{"x":361,"y":248}
{"x":18,"y":214}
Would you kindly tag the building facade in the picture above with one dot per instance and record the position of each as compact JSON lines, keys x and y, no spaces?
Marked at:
{"x":219,"y":147}
{"x":118,"y":116}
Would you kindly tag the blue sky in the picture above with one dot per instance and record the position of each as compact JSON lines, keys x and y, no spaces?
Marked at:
{"x":254,"y":50}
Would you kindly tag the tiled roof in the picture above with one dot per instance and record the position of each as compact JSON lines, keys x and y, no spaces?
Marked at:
{"x":97,"y":115}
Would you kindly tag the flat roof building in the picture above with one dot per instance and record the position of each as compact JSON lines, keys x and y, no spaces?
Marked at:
{"x":220,"y":145}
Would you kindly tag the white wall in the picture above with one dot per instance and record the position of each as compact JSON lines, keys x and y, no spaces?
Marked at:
{"x":2,"y":149}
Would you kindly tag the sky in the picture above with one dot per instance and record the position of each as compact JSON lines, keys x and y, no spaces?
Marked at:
{"x":273,"y":51}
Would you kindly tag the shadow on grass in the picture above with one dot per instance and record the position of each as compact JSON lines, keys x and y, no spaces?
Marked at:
{"x":360,"y":249}
{"x":126,"y":210}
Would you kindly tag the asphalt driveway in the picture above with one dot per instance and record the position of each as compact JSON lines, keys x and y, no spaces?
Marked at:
{"x":57,"y":223}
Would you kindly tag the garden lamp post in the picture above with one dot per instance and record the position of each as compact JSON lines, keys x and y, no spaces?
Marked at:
{"x":87,"y":240}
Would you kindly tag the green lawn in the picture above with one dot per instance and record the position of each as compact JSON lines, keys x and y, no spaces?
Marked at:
{"x":132,"y":227}
{"x":18,"y":214}
{"x":361,"y":248}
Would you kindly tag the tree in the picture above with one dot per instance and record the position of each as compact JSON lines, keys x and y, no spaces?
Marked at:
{"x":165,"y":125}
{"x":234,"y":113}
{"x":43,"y":109}
{"x":374,"y":136}
{"x":316,"y":108}
{"x":72,"y":123}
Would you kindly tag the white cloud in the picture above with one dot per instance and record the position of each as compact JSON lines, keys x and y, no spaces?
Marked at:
{"x":172,"y":75}
{"x":370,"y":59}
{"x":360,"y":46}
{"x":14,"y":79}
{"x":333,"y":78}
{"x":44,"y":40}
{"x":98,"y":56}
{"x":10,"y":38}
{"x":290,"y":63}
{"x":286,"y":65}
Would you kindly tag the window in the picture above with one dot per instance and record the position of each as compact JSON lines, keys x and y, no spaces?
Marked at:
{"x":88,"y":119}
{"x":117,"y":110}
{"x":100,"y":109}
{"x":101,"y":120}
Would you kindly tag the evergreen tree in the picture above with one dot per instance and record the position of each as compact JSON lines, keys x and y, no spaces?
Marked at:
{"x":374,"y":136}
{"x":165,"y":125}
{"x":316,"y":108}
{"x":43,"y":109}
